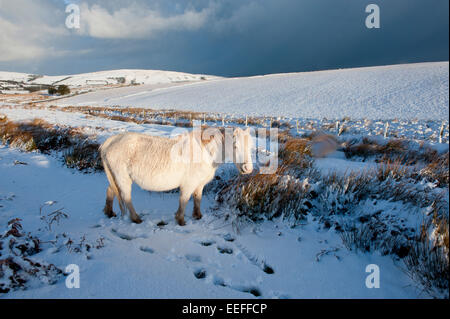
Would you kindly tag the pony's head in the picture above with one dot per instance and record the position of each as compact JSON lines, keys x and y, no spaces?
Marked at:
{"x":242,"y":150}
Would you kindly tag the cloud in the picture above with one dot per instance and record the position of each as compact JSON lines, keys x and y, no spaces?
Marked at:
{"x":223,"y":37}
{"x":137,"y":21}
{"x":28,"y":30}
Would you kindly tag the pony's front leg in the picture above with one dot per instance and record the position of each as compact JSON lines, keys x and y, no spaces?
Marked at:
{"x":179,"y":216}
{"x":197,"y":214}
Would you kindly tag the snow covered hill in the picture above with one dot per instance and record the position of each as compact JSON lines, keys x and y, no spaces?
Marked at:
{"x":16,"y":77}
{"x":405,"y":91}
{"x":106,"y":77}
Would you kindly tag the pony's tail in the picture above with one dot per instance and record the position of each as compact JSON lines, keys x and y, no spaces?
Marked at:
{"x":111,"y":179}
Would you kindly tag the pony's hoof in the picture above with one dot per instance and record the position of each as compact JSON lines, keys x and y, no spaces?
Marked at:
{"x":197,"y":216}
{"x":181,"y":222}
{"x":137,"y":220}
{"x":110,"y":214}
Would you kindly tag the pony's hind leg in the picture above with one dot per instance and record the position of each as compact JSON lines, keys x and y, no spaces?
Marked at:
{"x":197,"y":214}
{"x":184,"y":198}
{"x":133,"y":215}
{"x":108,"y":210}
{"x":121,"y":184}
{"x":125,"y":191}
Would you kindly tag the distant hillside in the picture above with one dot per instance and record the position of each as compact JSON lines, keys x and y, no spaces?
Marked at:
{"x":404,"y":91}
{"x":106,"y":77}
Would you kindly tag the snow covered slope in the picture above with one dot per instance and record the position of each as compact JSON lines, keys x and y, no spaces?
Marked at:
{"x":16,"y":77}
{"x":107,"y":77}
{"x":405,"y":91}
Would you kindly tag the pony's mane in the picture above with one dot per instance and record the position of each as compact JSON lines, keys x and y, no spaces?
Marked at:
{"x":206,"y":138}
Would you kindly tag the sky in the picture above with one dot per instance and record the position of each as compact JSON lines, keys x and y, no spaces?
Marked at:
{"x":219,"y":37}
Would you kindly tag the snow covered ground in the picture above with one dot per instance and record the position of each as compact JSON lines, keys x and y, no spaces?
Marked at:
{"x":406,"y":91}
{"x":15,"y":76}
{"x":207,"y":257}
{"x":149,"y":261}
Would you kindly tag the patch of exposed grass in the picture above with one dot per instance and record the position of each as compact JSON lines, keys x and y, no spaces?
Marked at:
{"x":428,"y":260}
{"x":394,"y":150}
{"x":35,"y":135}
{"x":83,"y":156}
{"x":438,"y":170}
{"x":38,"y":135}
{"x":269,"y":196}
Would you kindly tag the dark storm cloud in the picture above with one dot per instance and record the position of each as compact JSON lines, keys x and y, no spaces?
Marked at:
{"x":235,"y":38}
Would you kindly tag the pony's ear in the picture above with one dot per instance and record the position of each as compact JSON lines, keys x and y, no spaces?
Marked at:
{"x":247,"y":130}
{"x":237,"y":131}
{"x":210,"y":134}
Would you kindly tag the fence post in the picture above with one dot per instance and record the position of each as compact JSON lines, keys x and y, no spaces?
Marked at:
{"x":441,"y":133}
{"x":341,"y":129}
{"x":386,"y":129}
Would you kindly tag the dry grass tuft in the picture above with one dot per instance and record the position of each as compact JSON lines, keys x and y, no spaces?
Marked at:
{"x":393,"y":169}
{"x":295,"y":153}
{"x":38,"y":135}
{"x":34,"y":135}
{"x":268,"y":196}
{"x":394,"y":150}
{"x":428,"y":260}
{"x":281,"y":194}
{"x":438,"y":170}
{"x":370,"y":237}
{"x":83,"y":156}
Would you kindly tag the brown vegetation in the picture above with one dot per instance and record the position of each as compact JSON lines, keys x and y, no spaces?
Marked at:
{"x":38,"y":135}
{"x":393,"y":150}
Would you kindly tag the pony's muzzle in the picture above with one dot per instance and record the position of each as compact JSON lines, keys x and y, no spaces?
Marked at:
{"x":246,"y":169}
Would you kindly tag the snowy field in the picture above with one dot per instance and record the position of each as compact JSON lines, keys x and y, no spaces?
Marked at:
{"x":106,"y":77}
{"x":148,"y":261}
{"x":159,"y":258}
{"x":209,"y":258}
{"x":411,"y":91}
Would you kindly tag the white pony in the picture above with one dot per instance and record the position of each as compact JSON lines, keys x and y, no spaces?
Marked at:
{"x":187,"y":162}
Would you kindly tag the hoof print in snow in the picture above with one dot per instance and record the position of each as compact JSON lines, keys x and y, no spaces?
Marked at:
{"x":200,"y":274}
{"x":121,"y":235}
{"x":267,"y":269}
{"x":16,"y":162}
{"x":219,"y":282}
{"x":207,"y":243}
{"x":252,"y":290}
{"x":147,"y":250}
{"x":225,"y":250}
{"x":162,"y":224}
{"x":228,"y":237}
{"x":193,"y":258}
